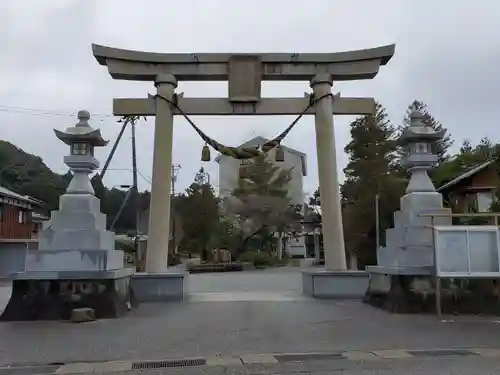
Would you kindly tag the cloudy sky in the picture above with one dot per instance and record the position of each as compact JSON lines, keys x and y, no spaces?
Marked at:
{"x":447,"y":55}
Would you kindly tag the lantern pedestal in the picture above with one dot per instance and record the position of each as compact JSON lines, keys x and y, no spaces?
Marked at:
{"x":53,"y":295}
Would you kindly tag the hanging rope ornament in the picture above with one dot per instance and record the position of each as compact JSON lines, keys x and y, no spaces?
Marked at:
{"x":279,"y":155}
{"x":242,"y":153}
{"x":205,"y":153}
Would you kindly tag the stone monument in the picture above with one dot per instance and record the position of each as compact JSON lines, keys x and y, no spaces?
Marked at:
{"x":76,"y":265}
{"x":409,"y":252}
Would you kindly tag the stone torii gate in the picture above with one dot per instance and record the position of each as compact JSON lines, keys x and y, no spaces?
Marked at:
{"x":244,"y":73}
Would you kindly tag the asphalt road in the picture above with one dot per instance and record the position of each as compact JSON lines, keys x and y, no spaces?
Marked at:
{"x":468,"y":366}
{"x":249,"y":313}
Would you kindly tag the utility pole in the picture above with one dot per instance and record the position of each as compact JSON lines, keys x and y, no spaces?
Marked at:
{"x":377,"y":221}
{"x":135,"y":189}
{"x":175,"y":169}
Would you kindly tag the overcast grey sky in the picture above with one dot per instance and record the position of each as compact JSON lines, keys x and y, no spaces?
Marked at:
{"x":447,"y":55}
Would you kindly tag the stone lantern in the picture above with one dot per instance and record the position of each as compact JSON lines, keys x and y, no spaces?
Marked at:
{"x":417,"y":140}
{"x":76,"y":254}
{"x":82,"y":139}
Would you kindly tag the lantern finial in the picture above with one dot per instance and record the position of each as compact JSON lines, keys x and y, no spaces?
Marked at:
{"x":83,"y":118}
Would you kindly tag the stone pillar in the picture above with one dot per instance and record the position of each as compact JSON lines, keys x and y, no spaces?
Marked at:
{"x":159,"y":207}
{"x":333,"y":234}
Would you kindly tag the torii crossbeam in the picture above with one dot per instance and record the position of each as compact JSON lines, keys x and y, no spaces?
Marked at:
{"x":244,"y":73}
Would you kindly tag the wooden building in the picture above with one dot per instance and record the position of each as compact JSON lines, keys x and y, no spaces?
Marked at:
{"x":37,"y":220}
{"x":16,"y":215}
{"x":474,"y":190}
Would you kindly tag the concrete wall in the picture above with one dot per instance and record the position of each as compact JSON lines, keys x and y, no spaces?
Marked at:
{"x":229,"y":175}
{"x":13,"y":256}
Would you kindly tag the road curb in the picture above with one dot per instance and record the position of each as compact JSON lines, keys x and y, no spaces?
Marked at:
{"x":248,"y":359}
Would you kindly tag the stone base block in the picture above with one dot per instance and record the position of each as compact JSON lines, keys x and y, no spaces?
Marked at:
{"x":54,"y":295}
{"x":334,"y":284}
{"x":158,"y":287}
{"x":412,"y":294}
{"x":74,"y":260}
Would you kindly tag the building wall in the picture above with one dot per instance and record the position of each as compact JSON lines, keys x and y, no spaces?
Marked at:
{"x":229,"y":175}
{"x":36,"y":227}
{"x":488,"y":177}
{"x":477,"y":191}
{"x":15,"y":222}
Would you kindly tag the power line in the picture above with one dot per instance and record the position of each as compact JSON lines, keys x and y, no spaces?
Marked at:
{"x":46,"y":112}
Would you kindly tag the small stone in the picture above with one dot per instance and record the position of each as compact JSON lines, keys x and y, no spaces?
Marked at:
{"x":82,"y":315}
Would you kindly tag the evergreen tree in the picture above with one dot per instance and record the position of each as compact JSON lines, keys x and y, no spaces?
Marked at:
{"x":467,"y":158}
{"x":466,"y":147}
{"x":369,"y":172}
{"x":263,"y":178}
{"x":198,"y":209}
{"x":260,"y":203}
{"x":440,"y":148}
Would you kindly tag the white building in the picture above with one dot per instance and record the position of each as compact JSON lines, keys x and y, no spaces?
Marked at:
{"x":295,"y":160}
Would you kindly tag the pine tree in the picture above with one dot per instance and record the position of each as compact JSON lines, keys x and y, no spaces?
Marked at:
{"x":263,"y":178}
{"x":260,"y":202}
{"x":372,"y":147}
{"x":369,"y":172}
{"x":466,"y":147}
{"x":440,"y":148}
{"x":198,"y":209}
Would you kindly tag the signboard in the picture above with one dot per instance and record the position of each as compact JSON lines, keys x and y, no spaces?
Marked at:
{"x":467,"y":251}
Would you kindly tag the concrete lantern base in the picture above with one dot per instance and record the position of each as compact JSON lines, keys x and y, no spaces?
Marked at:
{"x":54,"y":295}
{"x":412,"y":290}
{"x":326,"y":284}
{"x":158,"y":287}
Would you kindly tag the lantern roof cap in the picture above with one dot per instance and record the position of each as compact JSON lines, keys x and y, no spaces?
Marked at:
{"x":419,"y":131}
{"x":81,"y":132}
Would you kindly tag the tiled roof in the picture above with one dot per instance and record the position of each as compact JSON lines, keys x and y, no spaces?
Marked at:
{"x":9,"y":193}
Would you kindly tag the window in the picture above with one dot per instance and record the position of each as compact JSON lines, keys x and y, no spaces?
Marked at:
{"x":484,"y":201}
{"x":23,"y":217}
{"x":421,"y":148}
{"x":81,"y":148}
{"x":1,"y":211}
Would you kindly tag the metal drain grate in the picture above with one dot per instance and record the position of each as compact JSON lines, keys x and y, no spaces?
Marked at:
{"x":441,"y":353}
{"x":307,"y":357}
{"x":36,"y":370}
{"x":167,"y":364}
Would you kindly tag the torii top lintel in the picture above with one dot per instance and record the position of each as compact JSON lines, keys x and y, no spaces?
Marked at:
{"x":145,"y":66}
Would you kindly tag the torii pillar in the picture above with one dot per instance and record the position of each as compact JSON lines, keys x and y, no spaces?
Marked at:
{"x":244,"y":73}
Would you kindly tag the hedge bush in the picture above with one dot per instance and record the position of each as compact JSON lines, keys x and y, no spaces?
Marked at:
{"x":208,"y":267}
{"x":259,"y":259}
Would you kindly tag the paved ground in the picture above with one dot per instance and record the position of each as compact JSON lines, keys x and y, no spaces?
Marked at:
{"x":468,"y":366}
{"x":241,"y":314}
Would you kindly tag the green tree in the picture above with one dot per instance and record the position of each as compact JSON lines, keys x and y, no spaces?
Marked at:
{"x":260,"y":205}
{"x":467,"y":158}
{"x":369,"y":172}
{"x":198,"y":209}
